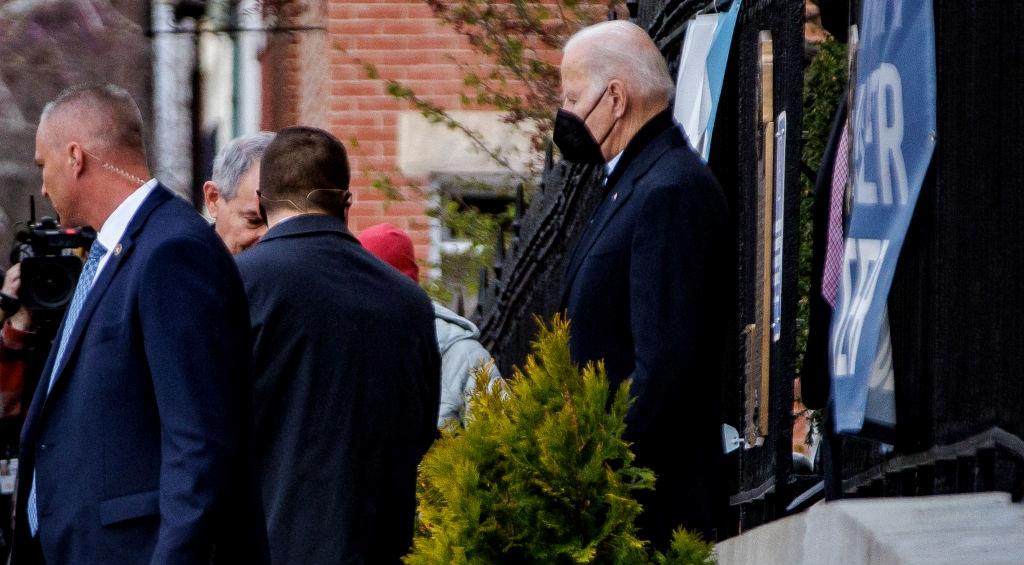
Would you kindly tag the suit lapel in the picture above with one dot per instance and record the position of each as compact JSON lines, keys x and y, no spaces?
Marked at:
{"x":617,"y":196}
{"x":611,"y":204}
{"x":100,"y":286}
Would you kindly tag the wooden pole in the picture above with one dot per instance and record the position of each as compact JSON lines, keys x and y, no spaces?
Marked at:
{"x":765,"y":218}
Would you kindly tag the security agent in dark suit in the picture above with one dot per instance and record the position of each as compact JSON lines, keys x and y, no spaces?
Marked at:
{"x":135,"y":447}
{"x":346,"y":366}
{"x":646,"y":287}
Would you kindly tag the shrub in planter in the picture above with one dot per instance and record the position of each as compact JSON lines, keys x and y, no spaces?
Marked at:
{"x":540,"y":474}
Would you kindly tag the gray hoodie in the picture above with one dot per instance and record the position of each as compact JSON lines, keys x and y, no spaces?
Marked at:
{"x":461,"y":354}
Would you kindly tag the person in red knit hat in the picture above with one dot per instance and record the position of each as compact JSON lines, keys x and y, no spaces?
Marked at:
{"x":457,"y":338}
{"x":392,"y":246}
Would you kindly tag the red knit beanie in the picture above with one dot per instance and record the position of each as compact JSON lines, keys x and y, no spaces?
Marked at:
{"x":392,"y":246}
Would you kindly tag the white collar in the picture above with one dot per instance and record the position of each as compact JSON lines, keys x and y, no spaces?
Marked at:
{"x":113,"y":229}
{"x":610,"y":165}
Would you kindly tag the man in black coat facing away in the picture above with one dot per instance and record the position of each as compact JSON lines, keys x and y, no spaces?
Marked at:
{"x":646,"y":287}
{"x":347,"y":372}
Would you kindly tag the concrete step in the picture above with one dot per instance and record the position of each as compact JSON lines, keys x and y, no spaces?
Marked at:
{"x":958,"y":529}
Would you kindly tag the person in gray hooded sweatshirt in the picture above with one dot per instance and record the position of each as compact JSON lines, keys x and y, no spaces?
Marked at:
{"x":457,"y":338}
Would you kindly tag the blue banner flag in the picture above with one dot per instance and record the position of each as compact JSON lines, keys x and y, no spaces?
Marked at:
{"x":893,"y":128}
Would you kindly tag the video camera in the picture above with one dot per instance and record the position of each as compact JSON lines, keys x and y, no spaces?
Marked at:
{"x":49,"y":268}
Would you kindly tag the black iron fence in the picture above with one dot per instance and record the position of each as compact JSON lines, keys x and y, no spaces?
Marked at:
{"x":527,"y":276}
{"x":956,"y":307}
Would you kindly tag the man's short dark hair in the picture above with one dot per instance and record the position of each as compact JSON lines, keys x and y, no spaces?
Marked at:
{"x":119,"y":121}
{"x":304,"y":167}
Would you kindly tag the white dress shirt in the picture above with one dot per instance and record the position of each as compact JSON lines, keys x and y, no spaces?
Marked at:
{"x":113,"y":229}
{"x":610,"y":165}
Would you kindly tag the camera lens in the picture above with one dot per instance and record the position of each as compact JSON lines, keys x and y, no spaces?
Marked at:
{"x":48,"y":282}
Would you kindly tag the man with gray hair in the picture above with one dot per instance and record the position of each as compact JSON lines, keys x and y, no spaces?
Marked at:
{"x":646,"y":285}
{"x":136,"y":446}
{"x":231,"y":194}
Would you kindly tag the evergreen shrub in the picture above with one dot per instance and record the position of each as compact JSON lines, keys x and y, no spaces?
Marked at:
{"x":540,"y":474}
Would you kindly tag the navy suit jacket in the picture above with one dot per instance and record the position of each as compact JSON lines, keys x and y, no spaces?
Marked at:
{"x":348,"y":384}
{"x":140,"y":449}
{"x":647,"y":291}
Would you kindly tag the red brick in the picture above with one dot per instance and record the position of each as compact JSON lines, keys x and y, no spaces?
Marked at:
{"x":405,"y":43}
{"x":370,"y":148}
{"x":445,"y":101}
{"x":376,"y":134}
{"x":411,"y":56}
{"x":389,"y":42}
{"x":350,"y":71}
{"x":404,"y":208}
{"x":444,"y":41}
{"x":343,"y":104}
{"x":369,"y":194}
{"x":355,"y":119}
{"x":356,"y":87}
{"x":431,"y":72}
{"x":347,"y":9}
{"x":393,"y":72}
{"x":366,"y":208}
{"x":385,"y":102}
{"x":339,"y":26}
{"x":435,"y":87}
{"x":364,"y":163}
{"x":360,"y":223}
{"x":412,"y":27}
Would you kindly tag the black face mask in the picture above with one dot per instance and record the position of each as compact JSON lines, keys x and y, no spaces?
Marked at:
{"x":575,"y":141}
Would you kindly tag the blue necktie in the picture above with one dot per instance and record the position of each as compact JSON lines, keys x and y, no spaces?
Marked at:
{"x":85,"y":280}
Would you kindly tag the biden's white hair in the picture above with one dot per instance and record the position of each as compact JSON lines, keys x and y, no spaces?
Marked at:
{"x":622,"y":50}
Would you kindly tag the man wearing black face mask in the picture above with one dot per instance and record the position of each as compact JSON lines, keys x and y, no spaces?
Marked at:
{"x":645,"y":287}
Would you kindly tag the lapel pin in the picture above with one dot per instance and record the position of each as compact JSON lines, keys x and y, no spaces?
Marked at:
{"x":615,"y":196}
{"x":117,"y":249}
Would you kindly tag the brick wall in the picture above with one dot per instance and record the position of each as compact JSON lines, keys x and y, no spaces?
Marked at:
{"x":317,"y":78}
{"x":405,"y":42}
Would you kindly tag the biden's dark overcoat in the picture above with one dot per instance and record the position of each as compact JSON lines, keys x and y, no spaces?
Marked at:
{"x":647,"y":290}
